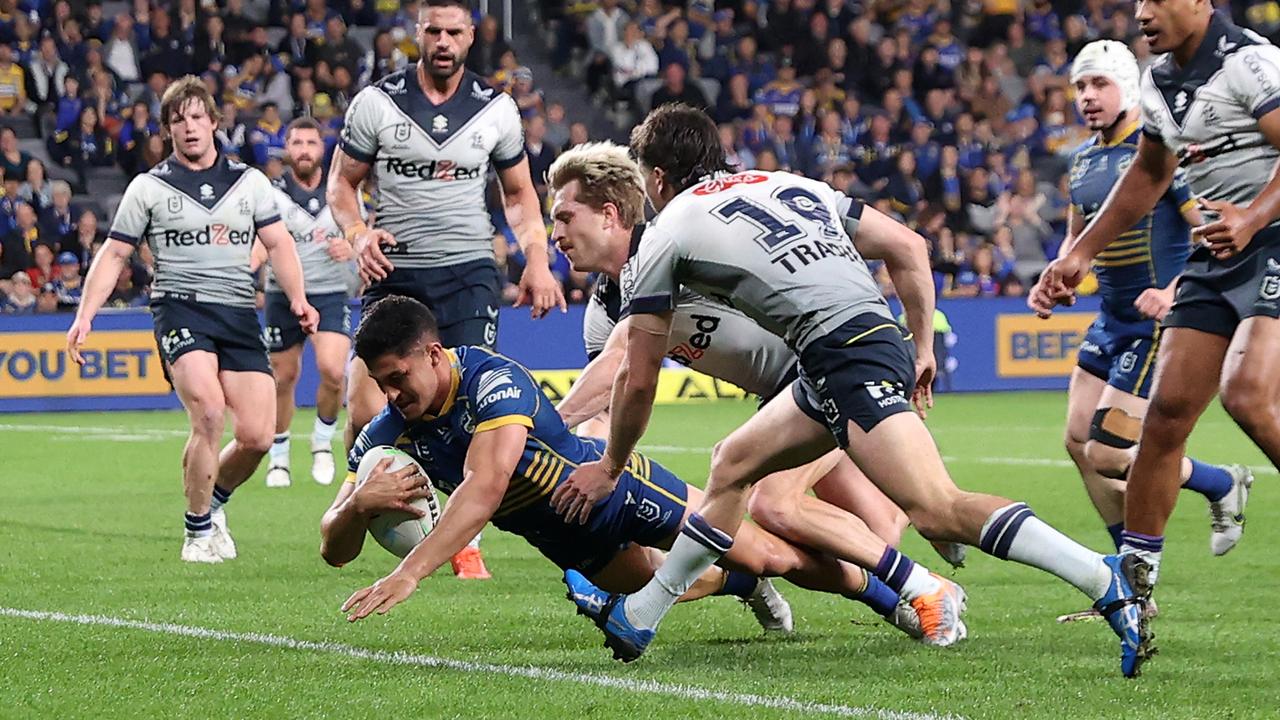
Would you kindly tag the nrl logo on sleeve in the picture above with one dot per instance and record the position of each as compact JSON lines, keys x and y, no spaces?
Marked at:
{"x":175,"y":204}
{"x":402,"y":131}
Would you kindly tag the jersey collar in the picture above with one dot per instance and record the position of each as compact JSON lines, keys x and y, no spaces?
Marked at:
{"x":1124,"y":135}
{"x":455,"y":378}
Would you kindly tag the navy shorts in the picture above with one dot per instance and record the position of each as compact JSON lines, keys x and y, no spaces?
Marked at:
{"x":231,"y":333}
{"x":863,"y":372}
{"x":1214,"y":296}
{"x":284,"y":332}
{"x":464,"y":298}
{"x":646,"y":508}
{"x":1123,"y":355}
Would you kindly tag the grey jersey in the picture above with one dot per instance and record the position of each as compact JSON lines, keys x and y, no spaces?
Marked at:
{"x":708,"y":336}
{"x":309,"y":220}
{"x":773,"y":245}
{"x":200,"y":226}
{"x":430,"y":163}
{"x":1207,"y":112}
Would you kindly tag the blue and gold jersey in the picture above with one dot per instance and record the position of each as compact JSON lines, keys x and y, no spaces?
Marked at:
{"x":1148,"y":255}
{"x":489,"y":391}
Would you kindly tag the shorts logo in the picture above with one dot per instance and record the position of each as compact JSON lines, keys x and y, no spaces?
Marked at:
{"x":273,"y":336}
{"x":648,"y":510}
{"x":490,"y":334}
{"x":402,"y":132}
{"x":1270,"y":289}
{"x":175,"y":204}
{"x":1128,"y":361}
{"x":175,"y":340}
{"x":886,"y":393}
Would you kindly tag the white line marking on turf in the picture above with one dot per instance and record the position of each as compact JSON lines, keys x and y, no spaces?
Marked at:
{"x":647,"y":687}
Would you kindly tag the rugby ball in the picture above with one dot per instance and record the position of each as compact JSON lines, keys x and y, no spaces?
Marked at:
{"x":399,"y":532}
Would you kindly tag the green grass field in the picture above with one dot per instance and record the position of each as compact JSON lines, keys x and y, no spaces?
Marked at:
{"x":90,"y":525}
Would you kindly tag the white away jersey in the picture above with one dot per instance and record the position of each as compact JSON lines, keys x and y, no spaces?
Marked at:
{"x":1207,"y":112}
{"x":708,"y":336}
{"x":310,"y":221}
{"x":430,"y":163}
{"x":200,"y":225}
{"x":771,"y":244}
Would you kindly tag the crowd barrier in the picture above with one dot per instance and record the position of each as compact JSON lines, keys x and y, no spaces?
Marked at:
{"x":993,"y":345}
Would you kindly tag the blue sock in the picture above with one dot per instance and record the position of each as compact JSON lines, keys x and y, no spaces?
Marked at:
{"x":1116,"y":531}
{"x":878,"y":596}
{"x":220,"y":497}
{"x":893,"y":570}
{"x":738,"y":584}
{"x":1211,"y":481}
{"x":198,"y":525}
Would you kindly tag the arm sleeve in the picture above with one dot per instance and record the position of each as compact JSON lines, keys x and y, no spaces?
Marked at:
{"x":509,"y":149}
{"x":1179,"y":193}
{"x":359,"y":137}
{"x":265,"y":211}
{"x":504,"y":394}
{"x":1150,"y":100}
{"x":850,"y":213}
{"x":648,"y":282}
{"x":1254,"y":77}
{"x":596,"y":327}
{"x":133,"y":216}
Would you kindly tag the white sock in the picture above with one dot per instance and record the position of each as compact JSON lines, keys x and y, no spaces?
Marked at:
{"x":688,"y":559}
{"x":1014,"y":533}
{"x":322,"y":433}
{"x":1152,"y":558}
{"x":475,"y":541}
{"x":919,"y":582}
{"x":279,"y":452}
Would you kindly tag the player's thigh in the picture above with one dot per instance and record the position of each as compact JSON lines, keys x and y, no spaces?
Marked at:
{"x":251,"y":400}
{"x":782,"y":490}
{"x":286,"y":365}
{"x":1251,"y":368}
{"x":900,"y":458}
{"x":1083,"y":395}
{"x":195,"y":380}
{"x":1188,"y":367}
{"x":364,"y":399}
{"x":779,"y":437}
{"x":848,"y":488}
{"x":332,"y":350}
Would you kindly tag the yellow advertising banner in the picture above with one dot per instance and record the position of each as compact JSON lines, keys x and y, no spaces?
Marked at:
{"x":117,"y":362}
{"x":1027,"y":346}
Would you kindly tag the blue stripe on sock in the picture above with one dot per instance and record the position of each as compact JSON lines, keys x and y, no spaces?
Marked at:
{"x":327,"y":420}
{"x":1116,"y":531}
{"x":221,"y":495}
{"x":738,"y":584}
{"x":987,"y":543}
{"x":1011,"y":531}
{"x":702,"y":532}
{"x":1211,"y":481}
{"x":893,"y":569}
{"x":281,"y":439}
{"x":1138,"y":541}
{"x":879,"y":597}
{"x":197,"y":523}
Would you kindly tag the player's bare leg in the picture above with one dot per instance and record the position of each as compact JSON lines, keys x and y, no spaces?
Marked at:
{"x":1083,"y":397}
{"x":195,"y":379}
{"x":1251,"y":383}
{"x":286,"y":366}
{"x":252,"y":422}
{"x":331,"y":351}
{"x":845,"y":486}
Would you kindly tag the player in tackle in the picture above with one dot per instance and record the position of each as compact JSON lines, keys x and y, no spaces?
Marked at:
{"x":776,"y":247}
{"x":490,"y":439}
{"x":200,"y":213}
{"x":1211,"y":105}
{"x":1136,"y":272}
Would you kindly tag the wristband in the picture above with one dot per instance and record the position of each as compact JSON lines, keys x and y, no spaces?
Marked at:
{"x":351,"y":232}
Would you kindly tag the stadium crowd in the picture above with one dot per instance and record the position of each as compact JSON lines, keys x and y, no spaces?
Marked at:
{"x":956,"y":117}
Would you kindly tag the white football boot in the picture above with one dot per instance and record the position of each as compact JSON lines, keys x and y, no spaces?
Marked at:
{"x":322,"y":463}
{"x":772,"y":611}
{"x":1226,"y":516}
{"x":221,"y":536}
{"x":199,"y":550}
{"x":278,"y":476}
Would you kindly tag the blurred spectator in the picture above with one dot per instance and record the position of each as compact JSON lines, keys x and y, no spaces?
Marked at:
{"x":58,"y":220}
{"x":87,"y":237}
{"x":46,"y":73}
{"x":298,"y":49}
{"x":211,"y":45}
{"x":604,"y":30}
{"x":71,"y":42}
{"x":317,"y":14}
{"x":83,"y":146}
{"x":13,"y":161}
{"x":528,"y":99}
{"x":20,"y":298}
{"x":23,"y":237}
{"x":1030,"y":233}
{"x":675,"y":47}
{"x":133,"y":137}
{"x":578,"y":135}
{"x":121,"y":50}
{"x":67,"y":282}
{"x":676,"y":90}
{"x":385,"y":58}
{"x":633,"y":58}
{"x":157,"y":81}
{"x":13,"y":84}
{"x":557,"y":127}
{"x":246,"y":83}
{"x":747,"y":61}
{"x":781,"y":96}
{"x":734,"y":103}
{"x":35,"y":189}
{"x":42,"y":268}
{"x":827,"y":150}
{"x":126,"y":294}
{"x":541,"y":152}
{"x":166,"y":50}
{"x":155,"y":151}
{"x":338,"y":50}
{"x":737,"y":156}
{"x":109,"y":100}
{"x":232,"y":134}
{"x":489,"y":46}
{"x":267,"y":137}
{"x":978,"y":279}
{"x":904,"y":188}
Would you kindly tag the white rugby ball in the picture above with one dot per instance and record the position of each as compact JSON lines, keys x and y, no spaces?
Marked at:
{"x":399,"y":532}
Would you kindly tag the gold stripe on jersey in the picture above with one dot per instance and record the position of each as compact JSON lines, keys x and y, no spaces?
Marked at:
{"x":533,"y":484}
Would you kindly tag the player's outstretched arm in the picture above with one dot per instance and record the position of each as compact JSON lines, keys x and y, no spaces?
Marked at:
{"x":342,"y":529}
{"x":288,"y":269}
{"x":491,"y":461}
{"x":98,"y":284}
{"x":538,"y":286}
{"x":1234,"y":226}
{"x":589,"y":395}
{"x":629,"y":410}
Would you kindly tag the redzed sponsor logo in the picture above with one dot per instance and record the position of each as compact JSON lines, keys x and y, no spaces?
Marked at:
{"x":716,"y":185}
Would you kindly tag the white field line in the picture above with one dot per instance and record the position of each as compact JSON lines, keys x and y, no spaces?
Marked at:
{"x":642,"y":687}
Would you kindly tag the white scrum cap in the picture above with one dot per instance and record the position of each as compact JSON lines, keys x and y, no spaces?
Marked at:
{"x":1112,"y":60}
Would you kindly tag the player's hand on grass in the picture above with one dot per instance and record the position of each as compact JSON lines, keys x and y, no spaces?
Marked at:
{"x":1155,"y":303}
{"x":380,"y":597}
{"x":371,"y":261}
{"x":388,"y":491}
{"x":540,"y":289}
{"x":586,"y":486}
{"x":1231,"y":231}
{"x":922,"y":394}
{"x":76,"y":336}
{"x":307,"y":316}
{"x":340,"y":250}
